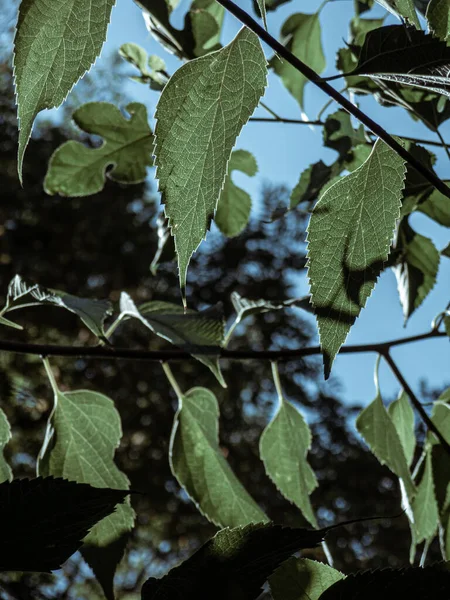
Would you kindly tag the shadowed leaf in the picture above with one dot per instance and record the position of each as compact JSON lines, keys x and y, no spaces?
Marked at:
{"x":302,"y":579}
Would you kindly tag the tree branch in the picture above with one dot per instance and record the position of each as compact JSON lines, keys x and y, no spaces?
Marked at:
{"x":310,"y":74}
{"x":416,"y":402}
{"x":166,"y":355}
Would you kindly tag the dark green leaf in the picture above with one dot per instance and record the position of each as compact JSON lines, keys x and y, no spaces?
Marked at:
{"x":438,"y":17}
{"x":446,"y":251}
{"x":302,"y":579}
{"x":5,"y":436}
{"x":402,"y":416}
{"x":402,"y":9}
{"x":424,"y":505}
{"x":338,"y":133}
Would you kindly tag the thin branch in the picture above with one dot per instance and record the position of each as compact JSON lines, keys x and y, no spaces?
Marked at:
{"x":310,"y":74}
{"x":165,"y":355}
{"x":415,"y":401}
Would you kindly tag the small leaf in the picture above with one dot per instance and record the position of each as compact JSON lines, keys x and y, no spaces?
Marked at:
{"x":198,"y":464}
{"x":166,"y":248}
{"x":55,"y":44}
{"x":303,"y":39}
{"x":424,"y":505}
{"x":245,"y":307}
{"x":193,"y":331}
{"x":283,"y":447}
{"x":302,"y":579}
{"x":262,"y":11}
{"x":406,"y":56}
{"x":349,"y":236}
{"x":203,"y":108}
{"x":233,"y":209}
{"x":22,"y":293}
{"x":338,"y":133}
{"x":44,"y":520}
{"x":311,"y":182}
{"x":76,"y":170}
{"x":234,"y":564}
{"x":403,"y":9}
{"x":446,"y":251}
{"x":136,"y":55}
{"x":438,"y":17}
{"x":402,"y":416}
{"x":417,"y":268}
{"x":8,"y":323}
{"x":5,"y":436}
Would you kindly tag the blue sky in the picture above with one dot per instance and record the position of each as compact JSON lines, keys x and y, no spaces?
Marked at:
{"x":284,"y":151}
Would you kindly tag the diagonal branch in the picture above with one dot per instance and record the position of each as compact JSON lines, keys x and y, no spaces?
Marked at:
{"x":310,"y":74}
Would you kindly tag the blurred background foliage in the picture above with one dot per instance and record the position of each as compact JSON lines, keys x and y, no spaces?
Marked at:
{"x":99,"y":246}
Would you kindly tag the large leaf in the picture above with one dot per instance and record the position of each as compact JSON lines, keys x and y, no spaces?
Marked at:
{"x":22,"y":293}
{"x":5,"y":436}
{"x":283,"y":448}
{"x":417,"y":268}
{"x":416,"y":583}
{"x":56,"y":43}
{"x":233,"y":565}
{"x":193,"y":331}
{"x":407,"y":56}
{"x":424,"y":505}
{"x":233,"y":209}
{"x":44,"y":520}
{"x":198,"y":464}
{"x":83,"y":433}
{"x":349,"y":236}
{"x":302,"y":35}
{"x":199,"y":116}
{"x":402,"y":416}
{"x":76,"y":170}
{"x":302,"y":579}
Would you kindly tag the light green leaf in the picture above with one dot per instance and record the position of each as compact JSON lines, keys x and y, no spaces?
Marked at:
{"x":437,"y":207}
{"x":152,"y":68}
{"x":83,"y":432}
{"x":302,"y":579}
{"x":206,"y":21}
{"x":438,"y":17}
{"x":200,"y":467}
{"x":190,"y":330}
{"x":245,"y":307}
{"x":424,"y":505}
{"x":283,"y":448}
{"x":76,"y":170}
{"x":23,"y":293}
{"x":233,"y":209}
{"x":349,"y":236}
{"x":136,"y":55}
{"x":417,"y":268}
{"x":199,"y":116}
{"x":302,"y":35}
{"x":5,"y":436}
{"x":402,"y":416}
{"x":8,"y":323}
{"x":262,"y":10}
{"x":402,"y":8}
{"x":55,"y":44}
{"x":379,"y":432}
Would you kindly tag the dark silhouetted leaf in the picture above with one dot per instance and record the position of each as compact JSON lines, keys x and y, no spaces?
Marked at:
{"x":302,"y":579}
{"x":44,"y":520}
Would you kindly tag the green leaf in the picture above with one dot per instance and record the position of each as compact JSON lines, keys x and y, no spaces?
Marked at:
{"x":311,"y":182}
{"x":245,"y":307}
{"x":406,"y":56}
{"x":206,"y":18}
{"x":446,"y":251}
{"x":166,"y":248}
{"x":55,"y":44}
{"x":424,"y":505}
{"x":152,"y":68}
{"x":402,"y":8}
{"x":5,"y":436}
{"x":262,"y":10}
{"x":302,"y":579}
{"x":417,"y":269}
{"x":136,"y":55}
{"x":380,"y":434}
{"x":302,"y":35}
{"x":349,"y":236}
{"x":22,"y":293}
{"x":402,"y":416}
{"x":198,"y":464}
{"x":204,"y":107}
{"x":190,"y":330}
{"x":283,"y":447}
{"x":233,"y":209}
{"x":338,"y":133}
{"x":8,"y":323}
{"x":438,"y":17}
{"x":76,"y":170}
{"x":437,"y":207}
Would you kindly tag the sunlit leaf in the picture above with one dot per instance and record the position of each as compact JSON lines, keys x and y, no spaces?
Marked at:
{"x":402,"y":416}
{"x":302,"y":579}
{"x":76,"y":170}
{"x":349,"y":236}
{"x":198,"y":464}
{"x":233,"y":209}
{"x":403,"y":9}
{"x":152,"y":68}
{"x":56,"y":43}
{"x":199,"y":116}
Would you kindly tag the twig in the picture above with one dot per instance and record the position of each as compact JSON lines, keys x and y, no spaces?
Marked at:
{"x":310,"y":74}
{"x":166,"y":355}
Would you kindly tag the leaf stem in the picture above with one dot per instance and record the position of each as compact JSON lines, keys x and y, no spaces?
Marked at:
{"x":327,"y":553}
{"x":173,"y":382}
{"x":50,"y":375}
{"x":314,"y":77}
{"x":276,"y":380}
{"x":229,"y":333}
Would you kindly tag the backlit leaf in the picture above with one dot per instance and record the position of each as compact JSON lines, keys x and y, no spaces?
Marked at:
{"x":402,"y":9}
{"x":198,"y":464}
{"x":199,"y":116}
{"x":56,"y":43}
{"x":76,"y":170}
{"x":402,"y":416}
{"x":302,"y":579}
{"x":233,"y":209}
{"x":245,"y":307}
{"x":424,"y":505}
{"x":349,"y":236}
